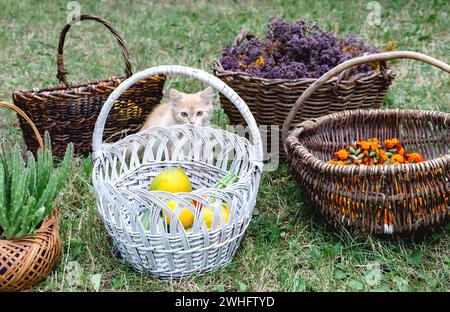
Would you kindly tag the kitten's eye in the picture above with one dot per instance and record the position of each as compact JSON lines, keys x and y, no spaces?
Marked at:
{"x":199,"y":113}
{"x":184,"y":114}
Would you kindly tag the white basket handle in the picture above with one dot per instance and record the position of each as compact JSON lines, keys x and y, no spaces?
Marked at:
{"x":216,"y":83}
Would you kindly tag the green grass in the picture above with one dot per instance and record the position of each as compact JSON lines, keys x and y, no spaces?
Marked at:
{"x":285,"y":248}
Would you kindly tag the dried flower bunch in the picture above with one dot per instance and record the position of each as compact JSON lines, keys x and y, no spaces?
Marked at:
{"x":373,"y":153}
{"x":295,"y":50}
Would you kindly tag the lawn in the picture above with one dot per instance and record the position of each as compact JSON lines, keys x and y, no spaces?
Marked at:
{"x":286,"y":248}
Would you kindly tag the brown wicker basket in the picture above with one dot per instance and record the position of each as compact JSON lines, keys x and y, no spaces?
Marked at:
{"x":69,"y":111}
{"x":27,"y":261}
{"x":375,"y":199}
{"x":270,"y":100}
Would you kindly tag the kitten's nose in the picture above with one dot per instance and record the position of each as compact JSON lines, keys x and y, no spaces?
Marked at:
{"x":192,"y":122}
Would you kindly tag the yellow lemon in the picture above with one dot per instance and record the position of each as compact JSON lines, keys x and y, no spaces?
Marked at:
{"x":208,"y":215}
{"x":172,"y":180}
{"x":186,"y":216}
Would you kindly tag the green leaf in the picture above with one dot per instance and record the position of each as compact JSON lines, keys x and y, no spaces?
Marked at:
{"x":48,"y":195}
{"x":228,"y":179}
{"x":447,"y":259}
{"x":3,"y":219}
{"x":117,"y":282}
{"x":77,"y":248}
{"x":315,"y":252}
{"x":88,"y":165}
{"x":382,"y":288}
{"x":300,"y":284}
{"x":356,"y":285}
{"x":27,"y":218}
{"x":31,"y":165}
{"x":340,"y":274}
{"x":38,"y":216}
{"x":332,"y":250}
{"x":243,"y":287}
{"x":416,"y":257}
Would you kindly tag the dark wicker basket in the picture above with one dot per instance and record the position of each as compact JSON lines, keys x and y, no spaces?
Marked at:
{"x":69,"y":111}
{"x":270,"y":100}
{"x":376,"y":199}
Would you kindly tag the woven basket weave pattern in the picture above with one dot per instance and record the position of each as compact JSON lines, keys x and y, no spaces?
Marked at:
{"x":69,"y":111}
{"x":70,"y":115}
{"x":270,"y":100}
{"x":397,"y":198}
{"x":184,"y":252}
{"x":375,"y":199}
{"x":25,"y":262}
{"x":124,"y":170}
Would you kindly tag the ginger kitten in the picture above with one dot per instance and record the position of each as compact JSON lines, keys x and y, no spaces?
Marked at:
{"x":183,"y":108}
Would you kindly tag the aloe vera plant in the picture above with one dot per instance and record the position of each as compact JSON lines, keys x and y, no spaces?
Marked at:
{"x":28,"y":188}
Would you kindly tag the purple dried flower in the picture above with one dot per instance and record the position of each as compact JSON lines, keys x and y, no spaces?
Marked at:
{"x":294,"y":50}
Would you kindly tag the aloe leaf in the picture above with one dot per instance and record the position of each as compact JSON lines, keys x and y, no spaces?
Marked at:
{"x":45,"y":167}
{"x":37,"y":217}
{"x":3,"y":219}
{"x":27,"y":190}
{"x":15,"y":176}
{"x":31,"y":165}
{"x":48,"y":195}
{"x":26,"y":225}
{"x":20,"y":193}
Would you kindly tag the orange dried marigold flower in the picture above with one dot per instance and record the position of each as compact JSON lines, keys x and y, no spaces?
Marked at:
{"x":374,"y":146}
{"x":396,"y":158}
{"x":341,"y":154}
{"x":400,"y":150}
{"x":390,"y":143}
{"x":260,"y":61}
{"x":414,"y":158}
{"x":370,"y":153}
{"x":382,"y":155}
{"x":363,"y":144}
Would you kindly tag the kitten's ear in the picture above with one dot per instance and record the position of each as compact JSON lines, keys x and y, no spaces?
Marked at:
{"x":175,"y":95}
{"x":207,"y":93}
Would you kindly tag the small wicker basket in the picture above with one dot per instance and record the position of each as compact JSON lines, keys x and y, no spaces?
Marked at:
{"x":69,"y":111}
{"x":26,"y":261}
{"x":124,"y":170}
{"x":270,"y":100}
{"x":375,"y":199}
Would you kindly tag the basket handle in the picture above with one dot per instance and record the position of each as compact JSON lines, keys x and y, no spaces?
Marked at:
{"x":61,"y":74}
{"x":385,"y":56}
{"x":198,"y":74}
{"x":27,"y":119}
{"x":244,"y":34}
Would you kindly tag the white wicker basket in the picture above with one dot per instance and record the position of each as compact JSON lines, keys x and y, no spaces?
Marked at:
{"x":123,"y":172}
